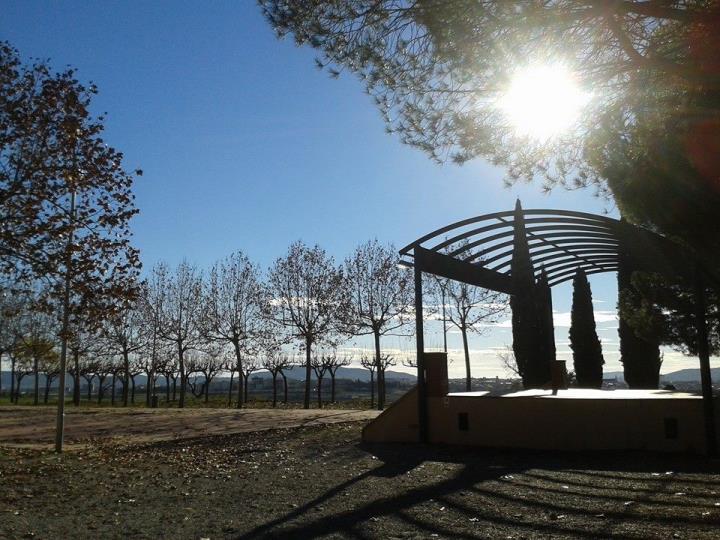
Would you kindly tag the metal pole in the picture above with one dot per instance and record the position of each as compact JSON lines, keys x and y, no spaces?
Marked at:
{"x":420,"y":348}
{"x":442,"y":288}
{"x":60,"y":423}
{"x":704,"y":356}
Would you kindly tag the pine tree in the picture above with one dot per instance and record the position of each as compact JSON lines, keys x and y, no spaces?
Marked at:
{"x":587,"y":351}
{"x":639,"y":350}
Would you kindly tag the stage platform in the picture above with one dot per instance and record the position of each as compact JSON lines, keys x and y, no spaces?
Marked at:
{"x":573,"y":419}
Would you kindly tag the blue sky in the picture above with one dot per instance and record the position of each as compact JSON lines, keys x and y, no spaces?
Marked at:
{"x":245,"y":145}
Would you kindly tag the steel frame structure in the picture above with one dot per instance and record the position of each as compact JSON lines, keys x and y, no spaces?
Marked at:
{"x":479,"y":251}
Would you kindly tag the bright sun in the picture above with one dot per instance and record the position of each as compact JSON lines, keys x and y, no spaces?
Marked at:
{"x":542,"y":101}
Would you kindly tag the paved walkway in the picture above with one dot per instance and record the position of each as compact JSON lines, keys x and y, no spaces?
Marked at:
{"x":35,"y":426}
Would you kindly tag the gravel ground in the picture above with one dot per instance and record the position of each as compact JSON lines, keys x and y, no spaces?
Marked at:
{"x":319,"y":481}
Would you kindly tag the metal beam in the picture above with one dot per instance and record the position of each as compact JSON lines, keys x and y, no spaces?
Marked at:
{"x":459,"y":270}
{"x":423,"y":428}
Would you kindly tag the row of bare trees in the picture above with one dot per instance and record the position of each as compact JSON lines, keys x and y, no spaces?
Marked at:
{"x":187,"y":326}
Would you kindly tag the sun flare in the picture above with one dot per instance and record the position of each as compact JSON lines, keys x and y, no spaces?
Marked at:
{"x":543,"y":101}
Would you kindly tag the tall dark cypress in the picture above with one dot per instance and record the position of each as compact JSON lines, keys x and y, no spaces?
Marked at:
{"x":587,"y":351}
{"x":525,"y":323}
{"x":546,"y":335}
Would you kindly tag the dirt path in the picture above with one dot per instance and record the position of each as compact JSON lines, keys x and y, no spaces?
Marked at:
{"x":34,"y":426}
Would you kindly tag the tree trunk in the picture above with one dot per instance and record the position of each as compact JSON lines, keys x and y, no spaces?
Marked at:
{"x":308,"y":373}
{"x":132,"y":392}
{"x":36,"y":392}
{"x":232,"y":376}
{"x":246,"y":378}
{"x":126,"y":375}
{"x":48,"y":382}
{"x":285,"y":389}
{"x":372,"y":389}
{"x":207,"y":388}
{"x":76,"y":378}
{"x":89,"y":383}
{"x":238,"y":357}
{"x":274,"y":376}
{"x":174,"y":386}
{"x":112,"y":392}
{"x":468,"y":376}
{"x":380,"y":373}
{"x":332,"y":387}
{"x":12,"y":379}
{"x":319,"y":392}
{"x":183,"y":381}
{"x":148,"y":390}
{"x":101,"y":391}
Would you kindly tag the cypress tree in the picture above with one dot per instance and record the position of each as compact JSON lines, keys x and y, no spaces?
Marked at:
{"x":587,"y":351}
{"x":546,"y":328}
{"x":527,"y":341}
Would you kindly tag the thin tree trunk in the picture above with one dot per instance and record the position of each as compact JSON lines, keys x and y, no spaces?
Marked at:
{"x":183,"y":382}
{"x":101,"y":392}
{"x":12,"y":379}
{"x":167,"y":387}
{"x":372,"y":389}
{"x":246,"y":378}
{"x":112,"y":395}
{"x":308,"y":373}
{"x":332,"y":387}
{"x":468,"y":376}
{"x":232,"y":376}
{"x":274,"y":376}
{"x":380,"y":373}
{"x":48,"y":382}
{"x":238,"y":357}
{"x":126,"y":375}
{"x":285,"y":389}
{"x":319,"y":392}
{"x":76,"y":378}
{"x":132,"y":392}
{"x":89,"y":383}
{"x":148,"y":390}
{"x":36,"y":396}
{"x":207,"y":389}
{"x":174,"y":388}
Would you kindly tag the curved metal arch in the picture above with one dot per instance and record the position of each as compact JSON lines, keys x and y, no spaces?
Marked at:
{"x":553,"y":255}
{"x":567,"y":276}
{"x":508,"y":213}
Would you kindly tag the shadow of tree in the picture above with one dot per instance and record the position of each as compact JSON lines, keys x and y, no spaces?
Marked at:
{"x":484,"y":492}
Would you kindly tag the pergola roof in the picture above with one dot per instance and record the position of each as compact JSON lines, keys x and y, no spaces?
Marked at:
{"x":560,"y":243}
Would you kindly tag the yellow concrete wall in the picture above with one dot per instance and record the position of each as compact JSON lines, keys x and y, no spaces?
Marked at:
{"x":568,"y":424}
{"x":397,"y":423}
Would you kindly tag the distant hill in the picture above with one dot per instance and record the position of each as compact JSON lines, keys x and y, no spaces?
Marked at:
{"x":297,"y":373}
{"x":689,"y":375}
{"x":682,"y":375}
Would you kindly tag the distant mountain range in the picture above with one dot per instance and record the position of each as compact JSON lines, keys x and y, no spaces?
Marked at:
{"x":298,"y":373}
{"x":682,"y":375}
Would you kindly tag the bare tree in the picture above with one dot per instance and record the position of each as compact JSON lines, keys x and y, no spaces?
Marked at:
{"x":35,"y":341}
{"x":207,"y":364}
{"x":333,"y":363}
{"x":233,"y":306}
{"x":276,"y":361}
{"x":125,"y":332}
{"x":305,"y":298}
{"x":250,"y":366}
{"x":320,"y":367}
{"x":507,"y":359}
{"x":380,"y":295}
{"x":370,"y":363}
{"x":105,"y":368}
{"x":177,"y":300}
{"x":468,"y":307}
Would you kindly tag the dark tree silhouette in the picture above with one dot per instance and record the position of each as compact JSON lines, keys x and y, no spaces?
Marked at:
{"x":587,"y":351}
{"x":639,"y":346}
{"x":438,"y":71}
{"x":369,"y":363}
